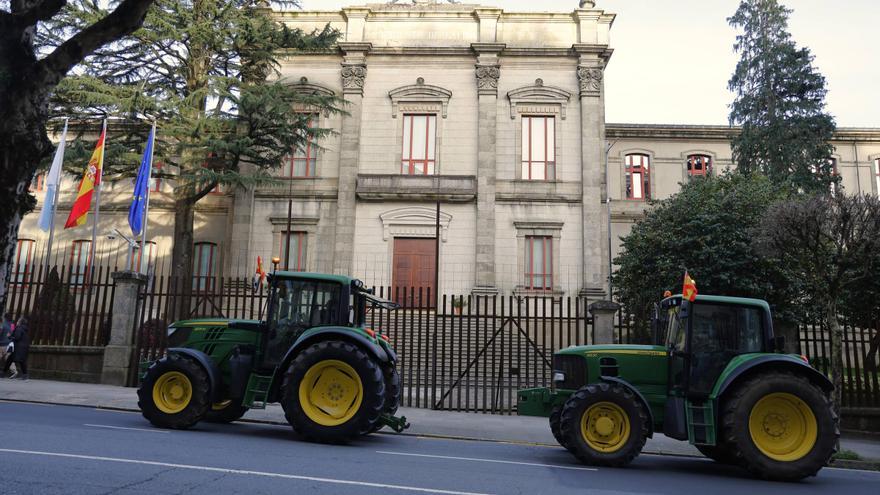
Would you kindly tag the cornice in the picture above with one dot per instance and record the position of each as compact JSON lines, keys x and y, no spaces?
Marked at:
{"x":717,"y":132}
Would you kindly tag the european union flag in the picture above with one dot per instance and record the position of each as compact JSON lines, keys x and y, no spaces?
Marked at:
{"x":138,"y":208}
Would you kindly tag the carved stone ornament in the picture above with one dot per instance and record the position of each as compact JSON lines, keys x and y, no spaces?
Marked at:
{"x":590,"y":80}
{"x":353,"y":77}
{"x":487,"y":78}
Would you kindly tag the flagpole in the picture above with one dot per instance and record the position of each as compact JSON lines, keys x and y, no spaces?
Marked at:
{"x":98,"y":196}
{"x":142,"y":268}
{"x":54,"y":206}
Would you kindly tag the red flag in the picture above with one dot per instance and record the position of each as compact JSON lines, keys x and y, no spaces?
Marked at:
{"x":91,"y":178}
{"x":260,"y":274}
{"x":689,"y":288}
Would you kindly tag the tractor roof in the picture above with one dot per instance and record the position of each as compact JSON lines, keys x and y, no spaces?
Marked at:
{"x":742,"y":301}
{"x":324,"y":277}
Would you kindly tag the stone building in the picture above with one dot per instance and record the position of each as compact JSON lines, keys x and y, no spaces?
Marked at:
{"x":496,"y":116}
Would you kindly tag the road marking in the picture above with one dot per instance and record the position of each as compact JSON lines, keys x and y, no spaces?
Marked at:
{"x":497,"y":461}
{"x":243,"y":472}
{"x":125,"y":428}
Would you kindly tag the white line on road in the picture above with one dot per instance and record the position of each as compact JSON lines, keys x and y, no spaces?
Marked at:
{"x":498,"y":461}
{"x":244,"y":472}
{"x":125,"y":428}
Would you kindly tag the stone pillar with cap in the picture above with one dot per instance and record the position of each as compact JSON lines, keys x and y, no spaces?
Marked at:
{"x":603,"y":321}
{"x":119,"y":355}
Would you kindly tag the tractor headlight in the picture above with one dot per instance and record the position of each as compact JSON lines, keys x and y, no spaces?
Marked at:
{"x":558,"y":377}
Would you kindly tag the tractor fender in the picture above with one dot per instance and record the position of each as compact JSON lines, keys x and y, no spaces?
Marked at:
{"x":314,"y":335}
{"x":784,"y":361}
{"x":211,"y":368}
{"x":635,"y":391}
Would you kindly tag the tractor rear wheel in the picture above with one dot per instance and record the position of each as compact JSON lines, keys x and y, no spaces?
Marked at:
{"x":225,"y":412}
{"x":333,"y":391}
{"x":392,"y":393}
{"x":604,"y":424}
{"x":780,"y":425}
{"x":175,"y":392}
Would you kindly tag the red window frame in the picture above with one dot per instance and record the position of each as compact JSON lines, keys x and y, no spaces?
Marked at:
{"x":38,"y":183}
{"x":528,"y":162}
{"x":545,"y":275}
{"x":204,"y":282}
{"x":298,"y":264}
{"x":136,"y":257}
{"x":79,"y":267}
{"x":408,"y":164}
{"x":307,"y":155}
{"x":21,"y":269}
{"x":156,"y":182}
{"x":638,"y":164}
{"x":705,"y":170}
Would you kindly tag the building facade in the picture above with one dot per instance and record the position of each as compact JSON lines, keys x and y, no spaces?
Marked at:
{"x":495,"y":116}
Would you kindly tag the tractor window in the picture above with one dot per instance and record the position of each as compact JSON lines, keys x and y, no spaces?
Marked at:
{"x":299,"y":305}
{"x":675,"y":334}
{"x":718,"y":333}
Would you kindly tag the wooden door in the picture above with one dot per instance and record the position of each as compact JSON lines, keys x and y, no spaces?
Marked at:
{"x":413,"y":268}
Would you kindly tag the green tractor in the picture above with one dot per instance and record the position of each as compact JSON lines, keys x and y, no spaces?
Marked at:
{"x":715,"y":377}
{"x":335,"y":378}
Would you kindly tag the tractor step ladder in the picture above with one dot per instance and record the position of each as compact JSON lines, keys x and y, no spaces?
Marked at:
{"x":257,"y":391}
{"x":701,"y":421}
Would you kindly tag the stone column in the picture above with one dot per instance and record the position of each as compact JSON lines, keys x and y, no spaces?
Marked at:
{"x":488,"y":72}
{"x":119,"y":353}
{"x":603,"y":321}
{"x":354,"y":73}
{"x":594,"y":214}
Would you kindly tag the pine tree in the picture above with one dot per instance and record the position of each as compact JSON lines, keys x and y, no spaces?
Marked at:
{"x":779,"y":102}
{"x":206,"y":70}
{"x":28,"y":75}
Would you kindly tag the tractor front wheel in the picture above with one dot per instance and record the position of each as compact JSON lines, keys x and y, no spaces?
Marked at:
{"x":781,"y":426}
{"x":174,"y":393}
{"x":333,"y":392}
{"x":225,"y":412}
{"x":556,"y":426}
{"x":604,"y":424}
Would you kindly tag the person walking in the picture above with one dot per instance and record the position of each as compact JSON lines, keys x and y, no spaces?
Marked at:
{"x":5,"y":336}
{"x":21,"y":342}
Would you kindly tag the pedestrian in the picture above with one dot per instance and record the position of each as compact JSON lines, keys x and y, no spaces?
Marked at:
{"x":6,"y":327}
{"x":21,"y":343}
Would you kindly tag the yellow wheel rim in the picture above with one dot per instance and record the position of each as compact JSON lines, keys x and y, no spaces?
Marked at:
{"x":219,"y":406}
{"x":331,"y":392}
{"x":605,"y":427}
{"x":172,"y":392}
{"x":783,"y":427}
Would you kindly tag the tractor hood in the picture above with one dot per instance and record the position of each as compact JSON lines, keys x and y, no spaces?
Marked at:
{"x":219,"y":322}
{"x":604,"y":349}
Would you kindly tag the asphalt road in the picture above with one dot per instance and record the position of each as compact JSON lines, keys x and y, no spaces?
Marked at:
{"x":74,"y":450}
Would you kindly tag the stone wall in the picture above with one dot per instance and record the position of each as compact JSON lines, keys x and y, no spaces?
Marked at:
{"x":67,"y":363}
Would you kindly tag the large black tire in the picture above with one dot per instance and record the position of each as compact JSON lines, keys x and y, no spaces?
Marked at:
{"x":225,"y":412}
{"x":720,"y":453}
{"x":165,"y":381}
{"x":780,"y":423}
{"x":629,"y":425}
{"x":556,"y":426}
{"x":358,"y":419}
{"x":392,"y":393}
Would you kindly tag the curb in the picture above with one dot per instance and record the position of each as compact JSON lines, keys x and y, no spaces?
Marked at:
{"x":853,"y":464}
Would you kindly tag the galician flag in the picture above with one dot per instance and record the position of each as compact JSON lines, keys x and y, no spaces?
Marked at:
{"x":137,"y":210}
{"x":91,"y":178}
{"x":52,"y":180}
{"x":689,"y":288}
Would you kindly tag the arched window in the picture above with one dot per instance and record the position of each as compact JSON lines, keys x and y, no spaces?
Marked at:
{"x":638,"y":183}
{"x":204,"y":266}
{"x":699,"y":165}
{"x":24,"y":257}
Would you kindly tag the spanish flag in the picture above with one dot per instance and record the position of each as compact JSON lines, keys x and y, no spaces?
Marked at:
{"x":689,"y":289}
{"x":91,"y":179}
{"x":260,"y":275}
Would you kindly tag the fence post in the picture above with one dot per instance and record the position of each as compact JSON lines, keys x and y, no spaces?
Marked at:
{"x":603,"y":321}
{"x":118,"y":353}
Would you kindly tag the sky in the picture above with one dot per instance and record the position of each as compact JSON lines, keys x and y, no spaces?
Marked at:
{"x":672,"y":59}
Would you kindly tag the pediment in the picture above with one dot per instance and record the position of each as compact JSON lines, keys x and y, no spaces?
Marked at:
{"x":419,"y":92}
{"x":538,"y":94}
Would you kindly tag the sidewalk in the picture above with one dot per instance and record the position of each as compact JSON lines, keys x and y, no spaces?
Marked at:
{"x":424,"y":421}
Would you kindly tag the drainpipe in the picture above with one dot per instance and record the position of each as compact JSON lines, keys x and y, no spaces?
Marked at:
{"x":608,"y":209}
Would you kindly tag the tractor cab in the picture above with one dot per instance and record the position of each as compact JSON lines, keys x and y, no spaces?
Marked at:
{"x":703,"y":336}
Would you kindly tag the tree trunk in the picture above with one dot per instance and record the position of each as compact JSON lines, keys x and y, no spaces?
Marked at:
{"x":836,"y":332}
{"x":182,"y":255}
